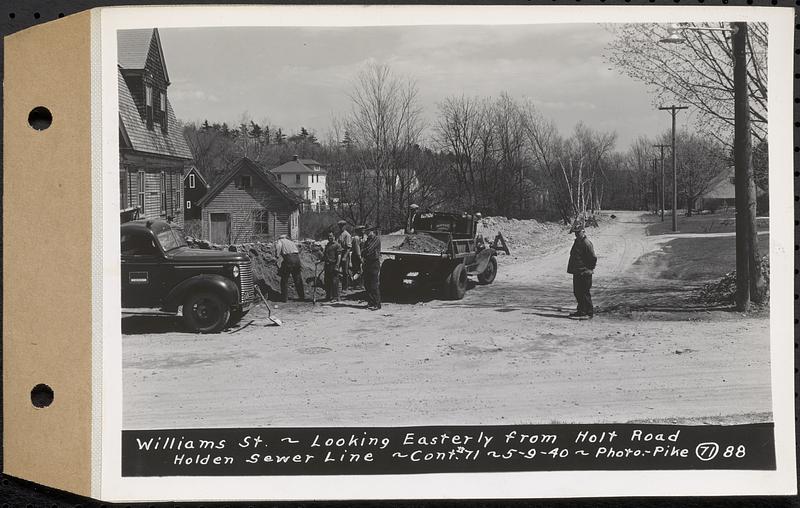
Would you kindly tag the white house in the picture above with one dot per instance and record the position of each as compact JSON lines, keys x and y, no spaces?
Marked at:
{"x":307,"y":179}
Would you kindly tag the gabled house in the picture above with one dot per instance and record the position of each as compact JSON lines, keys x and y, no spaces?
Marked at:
{"x":306,"y":178}
{"x":249,"y":205}
{"x":194,"y":188}
{"x":153,"y":152}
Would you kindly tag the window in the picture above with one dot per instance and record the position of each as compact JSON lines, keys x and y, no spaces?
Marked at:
{"x":188,"y":205}
{"x":297,"y":178}
{"x":148,"y":106}
{"x":163,"y":190}
{"x":141,"y":189}
{"x":162,"y":106}
{"x":177,"y":199}
{"x":123,"y":189}
{"x":137,"y":244}
{"x":191,"y":181}
{"x":244,"y":182}
{"x":313,"y":194}
{"x":261,"y":222}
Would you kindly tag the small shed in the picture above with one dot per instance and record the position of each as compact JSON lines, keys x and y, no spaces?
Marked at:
{"x":194,"y":188}
{"x":248,"y":205}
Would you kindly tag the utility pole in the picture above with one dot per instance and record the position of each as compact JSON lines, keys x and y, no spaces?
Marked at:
{"x":674,"y":111}
{"x":749,"y":279}
{"x":662,"y":147}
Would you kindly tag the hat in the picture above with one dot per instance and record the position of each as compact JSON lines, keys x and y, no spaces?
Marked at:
{"x":369,"y":227}
{"x":577,"y":226}
{"x":342,"y":222}
{"x":414,"y":206}
{"x":282,"y":237}
{"x":360,"y":227}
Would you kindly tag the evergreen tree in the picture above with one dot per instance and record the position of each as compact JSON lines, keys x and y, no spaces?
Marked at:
{"x":255,"y":130}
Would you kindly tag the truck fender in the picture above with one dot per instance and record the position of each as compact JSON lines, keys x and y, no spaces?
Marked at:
{"x":482,"y":259}
{"x":220,"y":285}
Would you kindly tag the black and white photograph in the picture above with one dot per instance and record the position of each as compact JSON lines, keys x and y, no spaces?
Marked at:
{"x":449,"y":226}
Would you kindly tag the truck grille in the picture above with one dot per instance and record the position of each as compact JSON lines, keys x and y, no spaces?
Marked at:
{"x":246,"y":279}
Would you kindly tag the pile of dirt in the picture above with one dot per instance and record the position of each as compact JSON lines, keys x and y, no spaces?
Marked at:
{"x":265,"y":265}
{"x":519,"y":234}
{"x":422,"y":243}
{"x":723,"y":291}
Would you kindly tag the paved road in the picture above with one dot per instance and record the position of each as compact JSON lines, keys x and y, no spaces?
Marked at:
{"x":506,"y":353}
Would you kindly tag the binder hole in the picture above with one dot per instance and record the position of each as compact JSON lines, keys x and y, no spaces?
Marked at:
{"x":41,"y":395}
{"x":40,"y":118}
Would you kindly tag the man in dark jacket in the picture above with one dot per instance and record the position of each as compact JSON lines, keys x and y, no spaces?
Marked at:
{"x":582,"y":262}
{"x":371,"y":266}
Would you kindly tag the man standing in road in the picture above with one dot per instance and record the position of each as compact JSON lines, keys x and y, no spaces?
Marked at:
{"x":355,"y":256}
{"x":582,"y":262}
{"x":332,"y":257}
{"x":371,"y":266}
{"x":287,"y":251}
{"x":411,"y":218}
{"x":346,"y":243}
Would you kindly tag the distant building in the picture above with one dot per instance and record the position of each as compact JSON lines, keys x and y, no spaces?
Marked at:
{"x":307,"y":178}
{"x":721,"y":191}
{"x":152,"y":150}
{"x":249,"y":205}
{"x":194,"y":188}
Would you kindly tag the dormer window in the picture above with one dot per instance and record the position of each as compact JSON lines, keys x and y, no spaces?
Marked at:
{"x":148,"y":106}
{"x":162,"y":105}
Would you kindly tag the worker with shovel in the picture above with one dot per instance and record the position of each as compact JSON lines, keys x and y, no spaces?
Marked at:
{"x":371,"y":259}
{"x":582,"y":262}
{"x":332,"y":256}
{"x":287,"y":251}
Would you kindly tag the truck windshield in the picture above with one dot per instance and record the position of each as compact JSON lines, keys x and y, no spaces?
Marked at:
{"x":171,"y":239}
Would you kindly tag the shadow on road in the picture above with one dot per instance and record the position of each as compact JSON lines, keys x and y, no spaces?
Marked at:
{"x":140,"y":325}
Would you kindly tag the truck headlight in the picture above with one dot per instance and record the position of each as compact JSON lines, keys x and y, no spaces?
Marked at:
{"x":235,"y":271}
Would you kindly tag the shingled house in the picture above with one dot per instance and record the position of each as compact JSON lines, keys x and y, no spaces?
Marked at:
{"x":249,"y":205}
{"x":153,"y":152}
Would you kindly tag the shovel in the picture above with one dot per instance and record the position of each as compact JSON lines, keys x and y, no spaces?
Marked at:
{"x":269,"y":310}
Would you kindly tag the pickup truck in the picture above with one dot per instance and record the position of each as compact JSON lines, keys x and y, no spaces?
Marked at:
{"x":212,"y":289}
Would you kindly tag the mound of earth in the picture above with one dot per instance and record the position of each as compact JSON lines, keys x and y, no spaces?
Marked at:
{"x":265,"y":264}
{"x":421,"y":242}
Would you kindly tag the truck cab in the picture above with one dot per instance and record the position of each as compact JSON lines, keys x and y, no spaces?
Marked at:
{"x":160,"y":271}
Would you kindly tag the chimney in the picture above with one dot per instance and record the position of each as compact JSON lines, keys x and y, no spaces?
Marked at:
{"x":295,"y":157}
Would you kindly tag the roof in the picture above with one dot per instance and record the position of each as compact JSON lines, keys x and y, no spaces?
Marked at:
{"x":245,"y":164}
{"x":133,"y":128}
{"x":197,"y":172}
{"x":133,"y":47}
{"x":723,"y":186}
{"x":299,"y":166}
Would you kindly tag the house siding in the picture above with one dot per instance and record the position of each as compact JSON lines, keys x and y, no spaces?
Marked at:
{"x":129,"y":175}
{"x":240,"y":204}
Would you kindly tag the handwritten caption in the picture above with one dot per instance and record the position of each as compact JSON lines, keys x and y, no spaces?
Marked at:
{"x":393,"y":450}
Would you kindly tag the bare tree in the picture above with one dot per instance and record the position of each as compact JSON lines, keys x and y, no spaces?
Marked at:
{"x":384,"y":123}
{"x":699,"y":162}
{"x":698,"y":72}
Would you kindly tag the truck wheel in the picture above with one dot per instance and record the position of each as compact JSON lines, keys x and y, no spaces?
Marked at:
{"x":205,"y":312}
{"x":456,"y":283}
{"x":489,"y":273}
{"x":390,"y":276}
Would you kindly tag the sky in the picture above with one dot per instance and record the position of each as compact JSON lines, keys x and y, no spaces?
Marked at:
{"x":295,"y":76}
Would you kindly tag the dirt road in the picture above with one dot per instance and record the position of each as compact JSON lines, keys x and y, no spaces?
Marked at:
{"x":505,"y":354}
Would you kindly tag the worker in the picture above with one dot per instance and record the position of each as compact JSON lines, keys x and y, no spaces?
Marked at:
{"x":411,"y":218}
{"x":581,"y":265}
{"x":332,"y":257}
{"x":287,"y":252}
{"x":346,"y":243}
{"x":371,"y":266}
{"x":355,"y":255}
